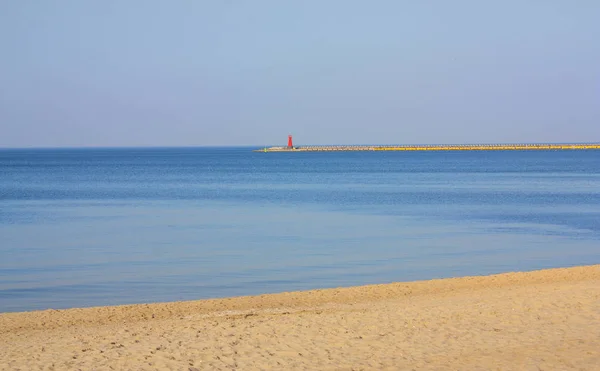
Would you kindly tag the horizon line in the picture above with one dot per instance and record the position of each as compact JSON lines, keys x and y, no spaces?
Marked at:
{"x":276,"y":145}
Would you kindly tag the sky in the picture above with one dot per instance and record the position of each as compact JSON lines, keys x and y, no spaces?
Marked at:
{"x":233,"y":72}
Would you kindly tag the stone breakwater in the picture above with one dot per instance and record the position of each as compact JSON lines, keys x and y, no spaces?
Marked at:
{"x":459,"y":147}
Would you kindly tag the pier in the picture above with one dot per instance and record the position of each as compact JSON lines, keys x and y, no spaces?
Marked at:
{"x":434,"y":147}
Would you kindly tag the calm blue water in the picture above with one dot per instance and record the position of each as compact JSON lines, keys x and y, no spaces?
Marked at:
{"x":87,"y":227}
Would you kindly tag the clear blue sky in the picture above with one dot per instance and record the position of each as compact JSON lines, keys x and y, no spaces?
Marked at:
{"x":234,"y":72}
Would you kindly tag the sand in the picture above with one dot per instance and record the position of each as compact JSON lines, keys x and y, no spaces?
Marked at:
{"x":548,"y":320}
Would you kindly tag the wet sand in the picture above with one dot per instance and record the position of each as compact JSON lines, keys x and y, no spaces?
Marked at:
{"x":547,"y":320}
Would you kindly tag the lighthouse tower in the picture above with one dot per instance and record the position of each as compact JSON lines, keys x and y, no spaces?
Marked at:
{"x":290,"y":144}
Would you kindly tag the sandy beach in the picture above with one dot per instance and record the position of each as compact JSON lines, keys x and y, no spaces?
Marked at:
{"x":548,"y":320}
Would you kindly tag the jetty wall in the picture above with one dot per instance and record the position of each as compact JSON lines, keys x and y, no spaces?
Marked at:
{"x":459,"y":147}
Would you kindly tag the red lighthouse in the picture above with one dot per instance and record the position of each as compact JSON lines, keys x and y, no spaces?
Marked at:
{"x":290,"y":145}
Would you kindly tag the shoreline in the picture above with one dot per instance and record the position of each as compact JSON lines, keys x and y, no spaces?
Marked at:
{"x":322,"y":296}
{"x":497,"y":318}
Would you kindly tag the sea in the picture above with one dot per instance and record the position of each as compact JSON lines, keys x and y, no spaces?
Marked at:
{"x":110,"y":226}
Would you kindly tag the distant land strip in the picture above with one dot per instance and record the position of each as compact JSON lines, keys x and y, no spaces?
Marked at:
{"x":441,"y":147}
